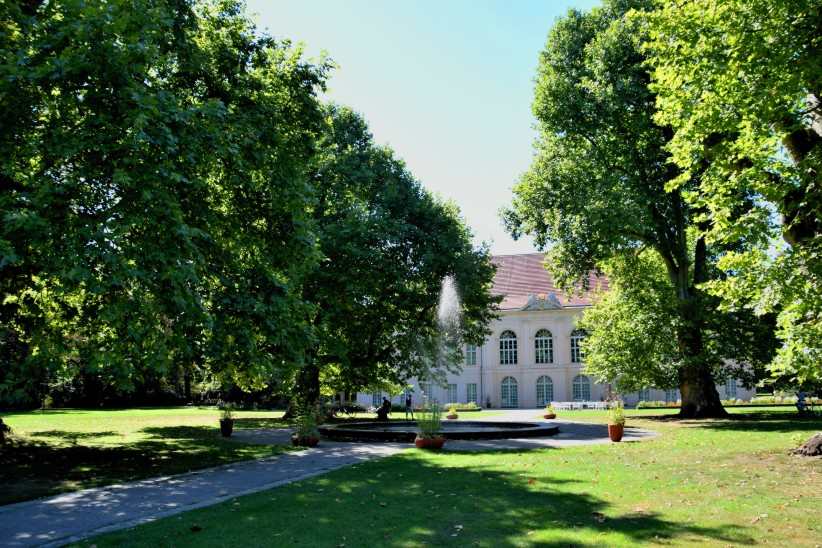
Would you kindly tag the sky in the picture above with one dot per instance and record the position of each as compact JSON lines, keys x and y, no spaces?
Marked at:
{"x":447,"y":84}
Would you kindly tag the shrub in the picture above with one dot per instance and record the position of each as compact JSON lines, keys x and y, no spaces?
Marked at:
{"x":470,"y":406}
{"x":429,"y":424}
{"x":549,"y":409}
{"x":226,"y":411}
{"x":306,"y":425}
{"x":4,"y":429}
{"x":616,"y":414}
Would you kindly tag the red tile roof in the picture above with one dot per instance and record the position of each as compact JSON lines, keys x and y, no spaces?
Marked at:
{"x":519,"y":277}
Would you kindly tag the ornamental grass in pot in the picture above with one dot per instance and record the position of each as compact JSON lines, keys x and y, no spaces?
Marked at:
{"x":549,"y":412}
{"x":306,"y":433}
{"x":452,"y":413}
{"x":616,"y":421}
{"x":226,"y":420}
{"x":429,"y":428}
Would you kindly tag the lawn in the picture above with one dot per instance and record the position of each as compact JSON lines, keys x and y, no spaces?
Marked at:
{"x":63,"y":450}
{"x":723,"y":482}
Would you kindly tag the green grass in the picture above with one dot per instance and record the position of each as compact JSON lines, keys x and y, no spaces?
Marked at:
{"x":55,"y":451}
{"x":722,"y":482}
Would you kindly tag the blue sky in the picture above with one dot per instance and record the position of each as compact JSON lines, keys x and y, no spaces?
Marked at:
{"x":447,"y":84}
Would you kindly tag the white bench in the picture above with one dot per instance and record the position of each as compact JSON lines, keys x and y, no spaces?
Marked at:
{"x":578,"y":405}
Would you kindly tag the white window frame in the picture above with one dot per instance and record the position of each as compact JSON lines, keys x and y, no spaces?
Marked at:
{"x":471,"y":390}
{"x":451,"y":389}
{"x":425,"y":388}
{"x":577,"y":356}
{"x":376,"y":399}
{"x":672,"y":395}
{"x":508,"y":348}
{"x":581,"y":388}
{"x":545,"y":390}
{"x":730,"y":388}
{"x":509,"y":393}
{"x":470,"y":354}
{"x":543,"y":347}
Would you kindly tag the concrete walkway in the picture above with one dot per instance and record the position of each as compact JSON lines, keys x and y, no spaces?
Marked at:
{"x":73,"y":516}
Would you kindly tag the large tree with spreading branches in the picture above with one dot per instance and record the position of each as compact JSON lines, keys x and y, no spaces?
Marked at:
{"x":386,"y":246}
{"x":602,"y":188}
{"x":153,"y":193}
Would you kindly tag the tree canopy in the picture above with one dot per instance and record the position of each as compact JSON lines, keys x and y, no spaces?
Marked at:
{"x":154,"y":196}
{"x":600,"y":186}
{"x":176,"y":203}
{"x":386,"y":244}
{"x":740,"y":83}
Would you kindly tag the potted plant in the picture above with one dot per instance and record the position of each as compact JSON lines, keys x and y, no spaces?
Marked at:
{"x":429,"y":428}
{"x":306,"y":433}
{"x":616,"y":421}
{"x":549,"y":412}
{"x":452,"y":413}
{"x":226,"y":420}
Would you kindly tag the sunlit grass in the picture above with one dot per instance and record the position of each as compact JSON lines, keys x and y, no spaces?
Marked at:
{"x":54,"y":451}
{"x":722,"y":482}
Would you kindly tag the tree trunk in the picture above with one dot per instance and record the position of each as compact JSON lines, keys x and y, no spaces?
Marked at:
{"x":700,"y":400}
{"x":308,"y":385}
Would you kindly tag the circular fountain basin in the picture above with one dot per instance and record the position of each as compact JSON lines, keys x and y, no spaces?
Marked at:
{"x":453,"y":430}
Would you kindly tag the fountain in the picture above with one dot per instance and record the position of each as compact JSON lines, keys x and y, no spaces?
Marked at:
{"x":448,"y":318}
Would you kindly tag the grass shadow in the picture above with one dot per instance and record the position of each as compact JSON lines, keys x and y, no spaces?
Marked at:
{"x":410,"y":500}
{"x":32,"y":468}
{"x":73,"y":437}
{"x":759,"y":421}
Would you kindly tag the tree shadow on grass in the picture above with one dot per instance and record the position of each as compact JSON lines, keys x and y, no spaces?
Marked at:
{"x":504,"y":506}
{"x":73,"y":437}
{"x":254,"y":422}
{"x":32,"y":468}
{"x":411,"y":500}
{"x":760,"y":421}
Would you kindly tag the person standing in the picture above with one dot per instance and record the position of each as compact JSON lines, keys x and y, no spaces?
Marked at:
{"x":409,"y":408}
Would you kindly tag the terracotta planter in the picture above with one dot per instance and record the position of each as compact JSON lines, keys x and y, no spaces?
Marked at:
{"x":615,"y":431}
{"x":549,"y":416}
{"x":226,"y":427}
{"x":429,"y":443}
{"x":304,"y":441}
{"x":452,"y":417}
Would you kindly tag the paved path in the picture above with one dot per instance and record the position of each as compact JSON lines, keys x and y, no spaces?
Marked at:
{"x":74,"y":516}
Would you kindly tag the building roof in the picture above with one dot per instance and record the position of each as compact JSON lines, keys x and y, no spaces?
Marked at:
{"x":524,"y":282}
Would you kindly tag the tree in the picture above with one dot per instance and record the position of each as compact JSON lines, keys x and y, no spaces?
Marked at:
{"x":599,"y":185}
{"x":632,"y":331}
{"x":386,"y":244}
{"x":740,"y":83}
{"x":154,"y":199}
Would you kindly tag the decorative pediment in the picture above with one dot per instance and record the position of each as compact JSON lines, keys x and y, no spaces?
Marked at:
{"x":542,"y":301}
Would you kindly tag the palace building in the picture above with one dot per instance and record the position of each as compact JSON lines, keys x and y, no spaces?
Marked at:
{"x":533,"y":355}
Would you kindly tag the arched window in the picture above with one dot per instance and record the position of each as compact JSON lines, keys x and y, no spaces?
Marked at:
{"x":672,"y":395}
{"x":545,"y":390}
{"x":576,"y":349}
{"x":508,"y":348}
{"x":544,"y":347}
{"x":508,"y":393}
{"x":582,"y":388}
{"x":376,"y":399}
{"x":644,"y":394}
{"x":730,"y":388}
